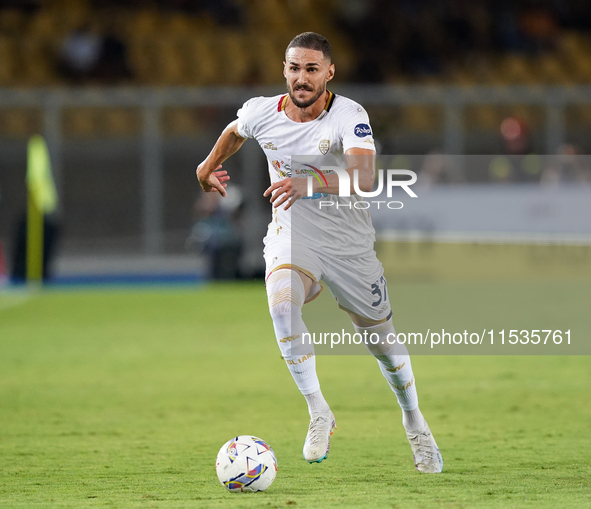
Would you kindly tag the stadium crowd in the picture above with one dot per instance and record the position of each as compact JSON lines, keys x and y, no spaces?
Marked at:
{"x":184,"y":42}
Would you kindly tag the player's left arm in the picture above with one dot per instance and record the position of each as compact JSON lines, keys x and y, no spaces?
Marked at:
{"x":360,"y":159}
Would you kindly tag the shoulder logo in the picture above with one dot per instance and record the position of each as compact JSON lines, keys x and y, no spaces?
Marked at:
{"x":324,"y":146}
{"x":362,"y":130}
{"x":269,"y":146}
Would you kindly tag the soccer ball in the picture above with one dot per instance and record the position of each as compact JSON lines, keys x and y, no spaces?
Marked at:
{"x":246,"y":463}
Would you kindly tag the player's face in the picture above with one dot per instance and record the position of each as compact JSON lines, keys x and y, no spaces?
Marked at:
{"x":306,"y":72}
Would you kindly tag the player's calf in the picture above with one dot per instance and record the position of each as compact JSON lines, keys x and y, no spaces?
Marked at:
{"x":285,"y":292}
{"x":394,"y":362}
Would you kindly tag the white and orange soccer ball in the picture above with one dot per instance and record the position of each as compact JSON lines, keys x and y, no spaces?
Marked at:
{"x":246,"y":463}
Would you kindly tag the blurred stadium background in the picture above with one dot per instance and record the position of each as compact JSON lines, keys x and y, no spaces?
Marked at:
{"x":130,"y":96}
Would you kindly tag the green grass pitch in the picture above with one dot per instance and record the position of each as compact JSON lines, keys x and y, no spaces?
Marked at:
{"x":122,"y":398}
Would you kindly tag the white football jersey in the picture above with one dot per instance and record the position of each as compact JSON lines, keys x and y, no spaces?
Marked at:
{"x":342,"y":232}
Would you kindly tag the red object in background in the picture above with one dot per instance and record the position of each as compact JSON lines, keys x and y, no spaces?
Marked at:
{"x":515,"y":134}
{"x":514,"y":128}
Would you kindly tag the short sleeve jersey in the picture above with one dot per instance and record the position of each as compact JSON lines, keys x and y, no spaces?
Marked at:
{"x":343,"y":231}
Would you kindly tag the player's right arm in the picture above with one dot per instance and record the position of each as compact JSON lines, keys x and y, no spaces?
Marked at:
{"x":209,"y":173}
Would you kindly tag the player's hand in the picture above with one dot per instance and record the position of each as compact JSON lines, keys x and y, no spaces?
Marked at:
{"x":214,"y":181}
{"x":285,"y":191}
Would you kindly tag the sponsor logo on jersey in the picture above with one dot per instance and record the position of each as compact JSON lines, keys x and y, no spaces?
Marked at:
{"x":324,"y":146}
{"x":269,"y":146}
{"x":315,"y":196}
{"x":318,"y":174}
{"x":281,"y":172}
{"x":362,"y":130}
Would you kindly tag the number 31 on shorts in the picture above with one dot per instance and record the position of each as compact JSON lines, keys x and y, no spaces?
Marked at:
{"x":380,"y":291}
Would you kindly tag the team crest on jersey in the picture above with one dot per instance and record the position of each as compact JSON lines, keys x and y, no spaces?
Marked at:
{"x":324,"y":146}
{"x":269,"y":146}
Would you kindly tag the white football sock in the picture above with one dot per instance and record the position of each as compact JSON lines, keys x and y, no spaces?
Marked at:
{"x":285,"y":292}
{"x":317,"y":405}
{"x":394,"y":362}
{"x":413,"y":419}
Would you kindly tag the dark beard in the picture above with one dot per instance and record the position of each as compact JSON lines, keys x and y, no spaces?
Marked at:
{"x":309,"y":102}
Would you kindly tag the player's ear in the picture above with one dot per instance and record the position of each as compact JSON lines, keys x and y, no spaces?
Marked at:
{"x":284,"y":70}
{"x":330,"y":74}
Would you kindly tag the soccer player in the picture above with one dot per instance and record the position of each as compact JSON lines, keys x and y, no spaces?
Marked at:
{"x":306,"y":243}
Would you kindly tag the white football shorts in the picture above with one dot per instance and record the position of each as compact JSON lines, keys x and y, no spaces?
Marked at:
{"x":357,"y":284}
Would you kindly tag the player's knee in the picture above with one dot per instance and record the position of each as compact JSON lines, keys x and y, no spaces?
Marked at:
{"x":285,"y":293}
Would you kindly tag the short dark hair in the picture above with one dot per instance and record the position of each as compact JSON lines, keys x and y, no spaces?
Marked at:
{"x":312,"y":40}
